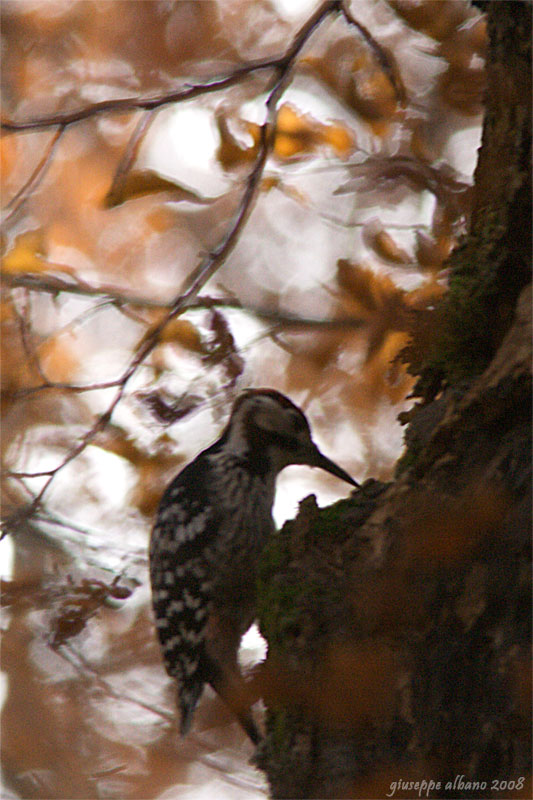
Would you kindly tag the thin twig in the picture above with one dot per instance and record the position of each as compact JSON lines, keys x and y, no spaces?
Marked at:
{"x":82,"y":666}
{"x":60,"y":387}
{"x":25,"y":336}
{"x":32,"y":357}
{"x":45,"y":473}
{"x":129,"y":156}
{"x":35,"y":178}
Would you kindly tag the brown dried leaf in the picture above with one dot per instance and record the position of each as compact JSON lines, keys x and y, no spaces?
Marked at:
{"x":115,"y":440}
{"x":384,"y":246}
{"x":463,"y":89}
{"x":79,"y":604}
{"x":462,"y":85}
{"x":230,"y":152}
{"x":139,"y":183}
{"x":354,"y":73}
{"x":152,"y":469}
{"x":169,"y":412}
{"x":436,"y":18}
{"x":370,"y":293}
{"x":442,"y":181}
{"x":431,"y":251}
{"x":391,"y":314}
{"x":17,"y":372}
{"x":19,"y":591}
{"x":184,"y":333}
{"x":372,"y":94}
{"x":222,"y":348}
{"x":153,"y":476}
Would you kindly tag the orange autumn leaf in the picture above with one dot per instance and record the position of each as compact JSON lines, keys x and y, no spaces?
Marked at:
{"x":297,"y":134}
{"x":373,"y":294}
{"x":369,"y":85}
{"x":294,"y":132}
{"x":58,"y":357}
{"x":9,"y":150}
{"x":339,"y":139}
{"x":275,"y":182}
{"x":27,"y":253}
{"x":152,"y":476}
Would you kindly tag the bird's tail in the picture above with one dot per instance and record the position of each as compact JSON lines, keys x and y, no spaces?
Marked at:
{"x":188,"y":696}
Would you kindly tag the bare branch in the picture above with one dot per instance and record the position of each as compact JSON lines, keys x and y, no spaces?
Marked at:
{"x":52,"y":285}
{"x":126,"y":104}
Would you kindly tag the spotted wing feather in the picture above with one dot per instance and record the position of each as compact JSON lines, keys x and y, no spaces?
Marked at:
{"x":185,"y":527}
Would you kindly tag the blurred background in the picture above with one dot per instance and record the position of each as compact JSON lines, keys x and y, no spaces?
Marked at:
{"x":365,"y":192}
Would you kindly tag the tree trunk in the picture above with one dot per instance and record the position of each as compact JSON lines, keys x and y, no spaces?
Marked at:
{"x":398,"y":621}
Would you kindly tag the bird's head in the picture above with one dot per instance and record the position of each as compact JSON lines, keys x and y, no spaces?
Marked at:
{"x":264,"y":424}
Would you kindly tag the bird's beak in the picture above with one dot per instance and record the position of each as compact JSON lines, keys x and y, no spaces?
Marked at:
{"x":318,"y":459}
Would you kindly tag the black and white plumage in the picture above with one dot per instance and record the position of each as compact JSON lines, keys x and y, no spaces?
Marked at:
{"x":212,"y":524}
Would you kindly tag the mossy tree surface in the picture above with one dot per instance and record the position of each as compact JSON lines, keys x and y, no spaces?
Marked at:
{"x":398,"y":621}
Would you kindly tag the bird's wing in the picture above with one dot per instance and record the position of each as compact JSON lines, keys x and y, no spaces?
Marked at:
{"x":185,"y":527}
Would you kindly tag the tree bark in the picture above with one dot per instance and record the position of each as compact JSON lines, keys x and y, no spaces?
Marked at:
{"x":398,"y":621}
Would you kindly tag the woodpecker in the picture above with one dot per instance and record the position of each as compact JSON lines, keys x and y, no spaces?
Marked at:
{"x":212,"y":524}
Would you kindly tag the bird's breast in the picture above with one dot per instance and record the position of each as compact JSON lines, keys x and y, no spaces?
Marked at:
{"x":246,"y":523}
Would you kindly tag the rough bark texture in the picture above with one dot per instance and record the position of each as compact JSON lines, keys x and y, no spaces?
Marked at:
{"x":398,"y":621}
